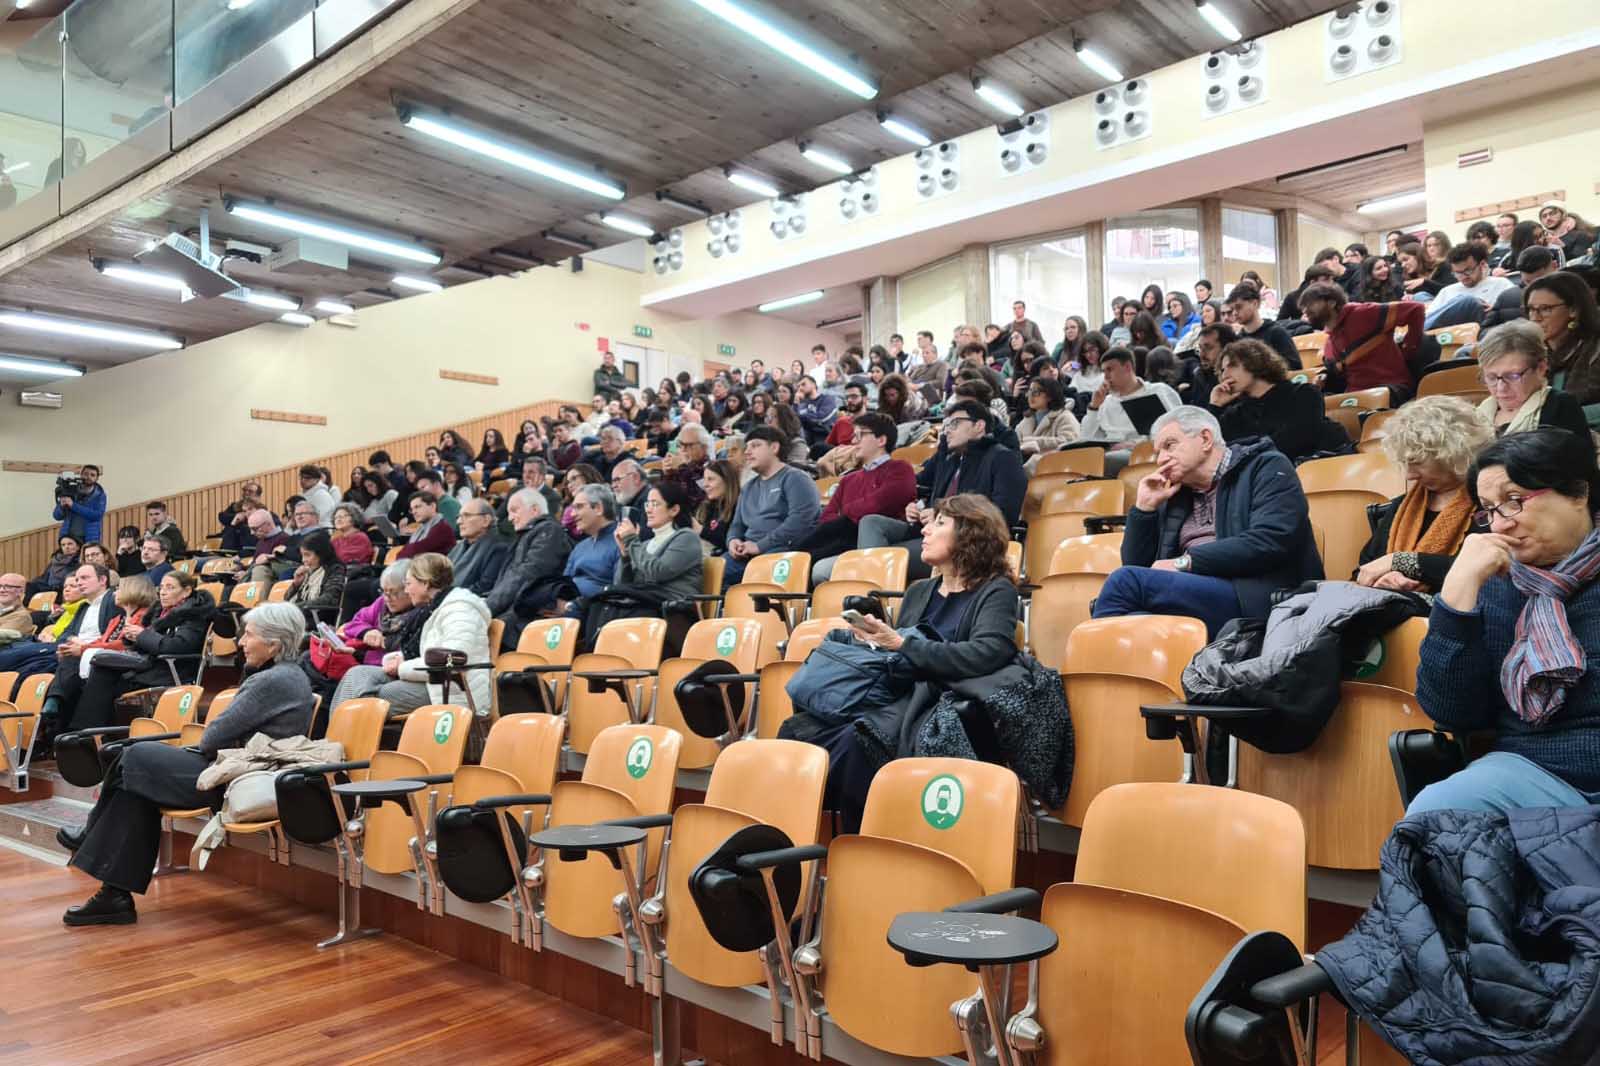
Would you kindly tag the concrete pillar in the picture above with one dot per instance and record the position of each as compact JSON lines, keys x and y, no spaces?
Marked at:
{"x":975,"y":283}
{"x":881,"y":301}
{"x":1211,"y":241}
{"x":1290,"y":265}
{"x":1094,"y":263}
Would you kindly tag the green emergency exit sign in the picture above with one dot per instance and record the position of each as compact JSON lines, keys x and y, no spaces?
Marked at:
{"x":724,"y":349}
{"x":643,"y":331}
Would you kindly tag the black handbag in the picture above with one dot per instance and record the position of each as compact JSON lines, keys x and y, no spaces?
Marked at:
{"x":122,"y":662}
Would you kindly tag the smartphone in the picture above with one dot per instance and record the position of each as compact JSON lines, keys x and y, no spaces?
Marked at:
{"x":855,"y":618}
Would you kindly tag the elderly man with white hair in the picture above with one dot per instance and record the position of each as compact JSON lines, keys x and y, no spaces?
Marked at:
{"x":612,"y":450}
{"x":526,"y":587}
{"x":688,"y":465}
{"x":118,"y":845}
{"x":1214,"y":531}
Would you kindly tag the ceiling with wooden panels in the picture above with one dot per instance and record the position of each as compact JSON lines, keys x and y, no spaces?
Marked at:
{"x":658,"y":95}
{"x":1344,"y":185}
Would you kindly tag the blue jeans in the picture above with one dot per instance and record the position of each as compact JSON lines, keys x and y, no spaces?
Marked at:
{"x":1455,"y":312}
{"x":1141,"y":590}
{"x":1500,"y":781}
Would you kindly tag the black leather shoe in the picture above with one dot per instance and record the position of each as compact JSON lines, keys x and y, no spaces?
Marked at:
{"x":109,"y":906}
{"x":71,"y":839}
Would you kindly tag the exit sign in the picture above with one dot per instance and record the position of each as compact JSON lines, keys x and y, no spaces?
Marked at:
{"x":643,"y":331}
{"x":724,"y":349}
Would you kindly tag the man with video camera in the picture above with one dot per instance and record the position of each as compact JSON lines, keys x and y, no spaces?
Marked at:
{"x":80,"y":504}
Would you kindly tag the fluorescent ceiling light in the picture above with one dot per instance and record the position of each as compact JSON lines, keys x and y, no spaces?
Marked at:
{"x":268,"y":215}
{"x":688,"y":206}
{"x":996,"y":98}
{"x":150,"y":279}
{"x":904,"y":132}
{"x":571,"y":242}
{"x":628,"y":225}
{"x":409,"y":281}
{"x":538,"y":163}
{"x":270,"y":300}
{"x":48,"y":368}
{"x":296,"y":318}
{"x":791,"y":301}
{"x":239,"y":5}
{"x":755,"y":184}
{"x":825,"y":160}
{"x":788,"y":46}
{"x":16,"y":168}
{"x":68,"y":327}
{"x":1097,"y":63}
{"x":334,"y":307}
{"x":1219,"y":22}
{"x":1392,"y":203}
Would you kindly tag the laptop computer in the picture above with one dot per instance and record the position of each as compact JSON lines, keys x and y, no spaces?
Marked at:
{"x":1143,"y":411}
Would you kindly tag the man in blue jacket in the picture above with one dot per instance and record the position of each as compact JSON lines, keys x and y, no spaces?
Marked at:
{"x":80,"y":515}
{"x":1214,"y":531}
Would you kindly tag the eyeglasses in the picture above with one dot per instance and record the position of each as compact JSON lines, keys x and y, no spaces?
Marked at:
{"x":1510,"y":509}
{"x":13,"y":588}
{"x":956,"y":421}
{"x":1510,"y":377}
{"x":1540,"y":310}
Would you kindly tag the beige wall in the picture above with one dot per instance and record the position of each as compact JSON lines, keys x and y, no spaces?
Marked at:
{"x":1315,"y":235}
{"x":1539,"y":145}
{"x":934,"y":298}
{"x":182,"y":419}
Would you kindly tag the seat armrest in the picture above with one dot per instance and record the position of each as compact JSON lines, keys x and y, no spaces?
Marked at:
{"x":113,"y":731}
{"x":1005,"y":902}
{"x":543,"y":668}
{"x":323,"y":769}
{"x":24,"y":714}
{"x":730,"y":679}
{"x":489,"y":803}
{"x":642,"y":821}
{"x":705,"y":597}
{"x":147,"y":737}
{"x":887,"y":594}
{"x":1168,"y":721}
{"x":1294,"y":986}
{"x":764,"y":860}
{"x":432,"y":779}
{"x":1104,"y":523}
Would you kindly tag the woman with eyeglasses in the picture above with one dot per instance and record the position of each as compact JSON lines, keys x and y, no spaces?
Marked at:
{"x":1563,"y":307}
{"x":1416,"y":536}
{"x":1514,"y":368}
{"x":1506,"y":645}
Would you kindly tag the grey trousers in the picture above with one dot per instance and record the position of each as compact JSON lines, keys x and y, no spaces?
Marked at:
{"x":372,"y":681}
{"x":881,"y":531}
{"x":123,"y":836}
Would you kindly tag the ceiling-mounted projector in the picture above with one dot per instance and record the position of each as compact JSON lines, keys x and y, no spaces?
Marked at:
{"x":182,"y":258}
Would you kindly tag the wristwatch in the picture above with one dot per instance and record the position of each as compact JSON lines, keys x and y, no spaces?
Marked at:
{"x":1182,"y":563}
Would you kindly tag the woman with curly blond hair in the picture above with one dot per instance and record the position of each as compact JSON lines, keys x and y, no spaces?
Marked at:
{"x":1416,"y":537}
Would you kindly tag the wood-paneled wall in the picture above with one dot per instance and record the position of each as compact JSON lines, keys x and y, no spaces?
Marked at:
{"x":196,"y":510}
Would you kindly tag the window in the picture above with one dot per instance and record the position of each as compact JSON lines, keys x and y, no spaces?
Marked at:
{"x":932,"y":298}
{"x":1249,"y":242}
{"x":1051,"y":276}
{"x":1159,"y":247}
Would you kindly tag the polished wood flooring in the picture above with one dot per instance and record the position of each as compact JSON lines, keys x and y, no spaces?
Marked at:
{"x":216,"y":972}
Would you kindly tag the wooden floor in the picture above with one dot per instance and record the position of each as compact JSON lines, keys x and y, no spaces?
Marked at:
{"x":219,"y":973}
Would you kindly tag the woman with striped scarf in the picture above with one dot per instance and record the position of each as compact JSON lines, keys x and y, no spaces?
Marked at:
{"x":1513,"y":643}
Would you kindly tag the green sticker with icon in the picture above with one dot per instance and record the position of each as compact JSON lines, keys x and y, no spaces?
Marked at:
{"x":1446,"y":338}
{"x":44,"y":686}
{"x":641,"y":753}
{"x":780,"y":571}
{"x":250,"y":593}
{"x":1349,"y":401}
{"x":726,"y":639}
{"x":942,"y":801}
{"x":552,"y":637}
{"x":444,"y":727}
{"x":1300,"y":379}
{"x":183,"y":704}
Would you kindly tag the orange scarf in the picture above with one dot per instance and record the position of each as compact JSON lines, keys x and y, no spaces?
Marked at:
{"x":1443,"y":537}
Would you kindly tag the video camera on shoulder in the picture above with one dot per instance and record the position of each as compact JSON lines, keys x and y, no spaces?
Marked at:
{"x":68,"y":483}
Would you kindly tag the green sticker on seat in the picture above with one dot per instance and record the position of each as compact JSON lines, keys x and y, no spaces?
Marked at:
{"x":1349,"y":401}
{"x":780,"y":571}
{"x":43,"y":687}
{"x":1445,"y":338}
{"x":1372,"y":661}
{"x":183,"y":703}
{"x":942,"y":801}
{"x":444,"y":727}
{"x":1300,"y":379}
{"x":726,"y":639}
{"x":250,"y":592}
{"x":552,"y":637}
{"x":641,"y":753}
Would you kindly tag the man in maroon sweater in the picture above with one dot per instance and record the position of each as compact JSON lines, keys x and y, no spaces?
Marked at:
{"x":432,"y":533}
{"x":1361,"y":352}
{"x":881,"y":486}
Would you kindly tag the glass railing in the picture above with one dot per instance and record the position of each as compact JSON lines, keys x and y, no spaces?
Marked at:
{"x":110,"y":87}
{"x":30,"y":133}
